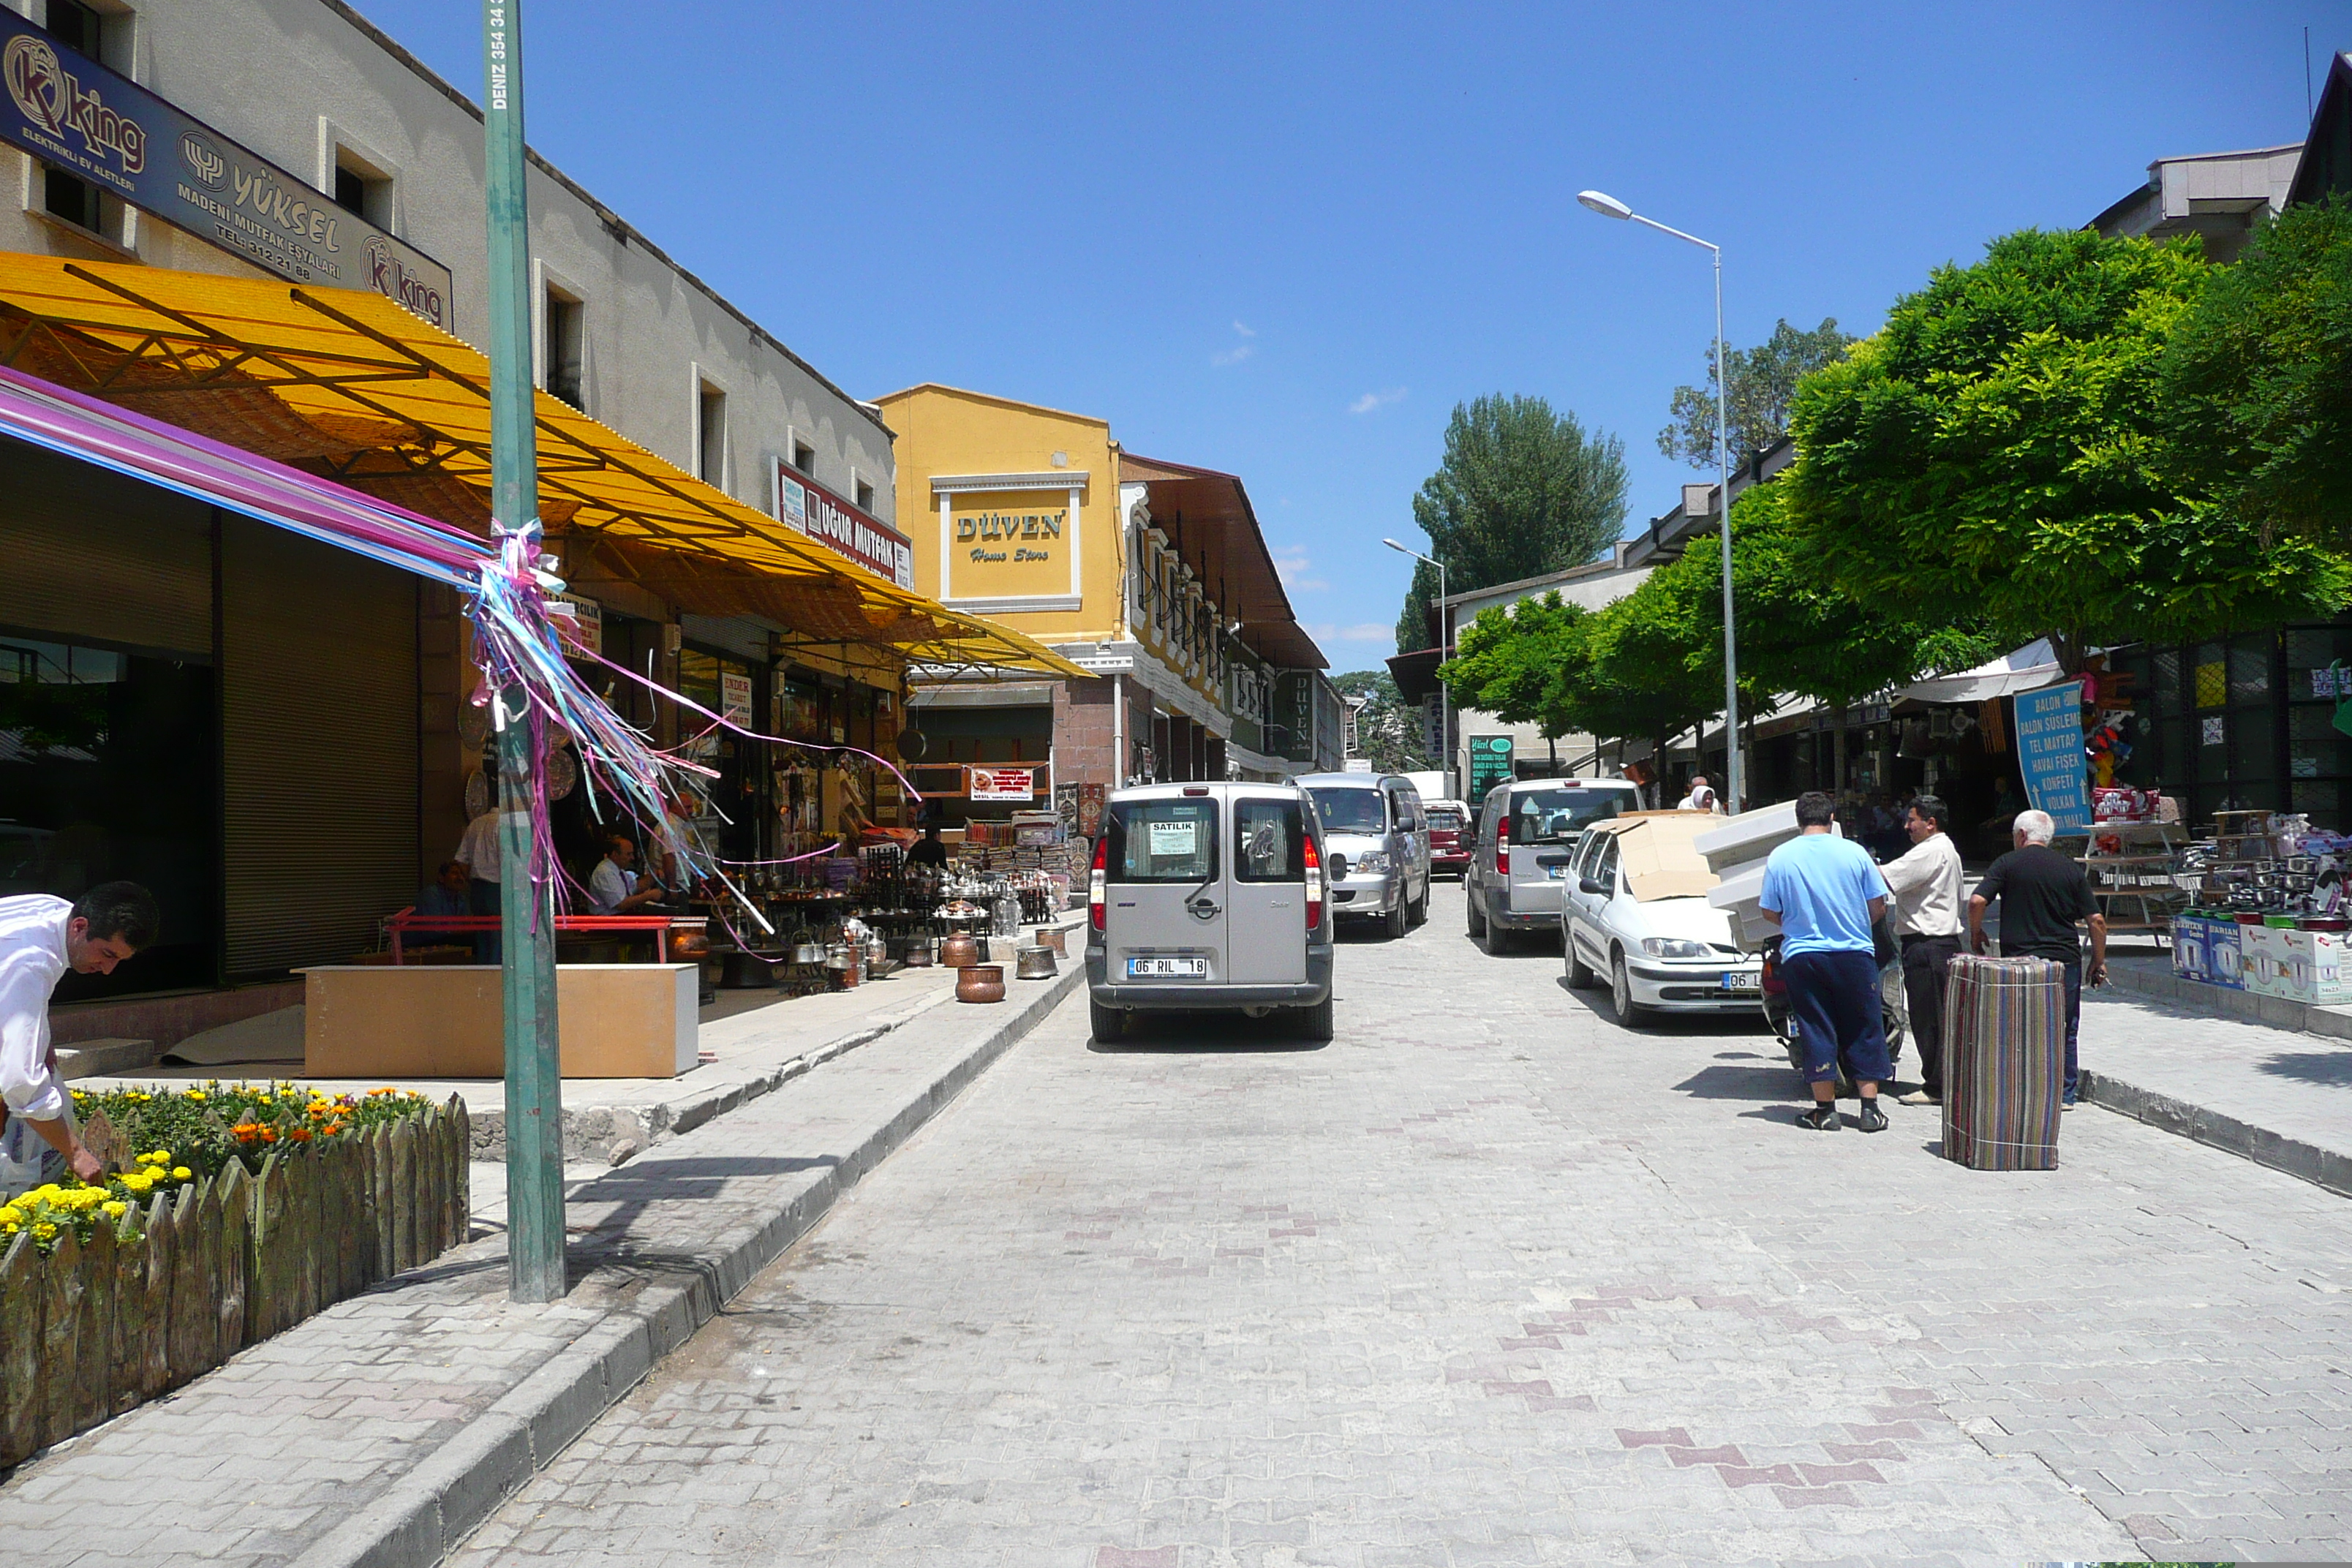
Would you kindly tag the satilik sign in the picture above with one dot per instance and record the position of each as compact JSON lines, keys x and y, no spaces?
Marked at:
{"x":74,"y":114}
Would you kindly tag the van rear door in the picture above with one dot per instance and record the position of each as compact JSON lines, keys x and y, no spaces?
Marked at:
{"x":1266,"y":920}
{"x":1165,"y":891}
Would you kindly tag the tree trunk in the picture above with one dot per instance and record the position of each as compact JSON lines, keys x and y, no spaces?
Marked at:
{"x":2069,"y":651}
{"x":1837,"y":782}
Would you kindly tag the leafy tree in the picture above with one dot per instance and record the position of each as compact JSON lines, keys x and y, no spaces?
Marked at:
{"x":1995,"y":456}
{"x":1387,"y":731}
{"x":1763,"y":381}
{"x":2258,"y":379}
{"x":1521,"y":490}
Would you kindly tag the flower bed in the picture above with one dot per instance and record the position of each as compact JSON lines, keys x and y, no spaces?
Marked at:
{"x":250,"y":1207}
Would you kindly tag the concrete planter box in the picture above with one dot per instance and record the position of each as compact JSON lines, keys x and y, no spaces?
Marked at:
{"x":442,"y":1020}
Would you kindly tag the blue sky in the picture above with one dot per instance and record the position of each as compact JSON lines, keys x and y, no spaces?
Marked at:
{"x":1286,"y":241}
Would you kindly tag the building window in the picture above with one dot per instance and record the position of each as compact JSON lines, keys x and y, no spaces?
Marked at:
{"x":563,"y":323}
{"x":865,"y":497}
{"x":804,"y":457}
{"x":74,"y":200}
{"x":363,"y":190}
{"x":710,"y":435}
{"x":77,"y":26}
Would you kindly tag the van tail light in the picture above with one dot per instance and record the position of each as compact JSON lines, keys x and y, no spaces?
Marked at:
{"x":1503,"y":846}
{"x":1313,"y":862}
{"x":1095,"y":912}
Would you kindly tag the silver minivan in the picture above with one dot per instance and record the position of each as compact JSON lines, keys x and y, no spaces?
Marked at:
{"x":1528,"y":833}
{"x":1208,"y":896}
{"x":1377,"y":846}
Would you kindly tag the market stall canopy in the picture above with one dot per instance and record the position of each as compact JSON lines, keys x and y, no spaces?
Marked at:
{"x":349,"y":386}
{"x":1208,"y":518}
{"x":2030,"y":668}
{"x":1657,"y":850}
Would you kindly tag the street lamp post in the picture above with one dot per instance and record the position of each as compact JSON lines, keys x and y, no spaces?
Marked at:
{"x":1734,"y":782}
{"x":1444,"y":647}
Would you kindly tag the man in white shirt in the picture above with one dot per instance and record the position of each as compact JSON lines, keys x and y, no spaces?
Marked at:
{"x":478,"y":851}
{"x":1926,"y":883}
{"x":40,"y":938}
{"x":613,"y":888}
{"x":1701,"y":796}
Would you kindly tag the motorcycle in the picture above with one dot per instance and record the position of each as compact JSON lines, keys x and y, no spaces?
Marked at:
{"x":1895,"y":1006}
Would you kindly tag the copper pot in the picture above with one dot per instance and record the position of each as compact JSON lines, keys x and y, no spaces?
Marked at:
{"x":958,"y":950}
{"x":980,"y":982}
{"x":1054,"y":937}
{"x":1033,"y":963}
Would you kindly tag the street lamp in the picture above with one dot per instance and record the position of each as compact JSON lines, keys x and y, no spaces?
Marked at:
{"x":1609,"y":206}
{"x":1445,"y":646}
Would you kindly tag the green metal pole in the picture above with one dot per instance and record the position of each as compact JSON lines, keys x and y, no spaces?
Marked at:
{"x":534,"y":1083}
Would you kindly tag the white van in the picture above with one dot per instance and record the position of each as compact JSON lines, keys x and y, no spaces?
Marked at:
{"x":1208,"y":896}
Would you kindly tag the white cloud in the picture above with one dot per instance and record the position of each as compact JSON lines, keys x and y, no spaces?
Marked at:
{"x":1233,"y":355}
{"x":1290,"y":564}
{"x":1363,"y":631}
{"x":1373,"y":400}
{"x":1245,"y":332}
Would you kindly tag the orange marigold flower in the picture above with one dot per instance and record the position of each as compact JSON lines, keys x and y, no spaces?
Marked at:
{"x":300,"y":1135}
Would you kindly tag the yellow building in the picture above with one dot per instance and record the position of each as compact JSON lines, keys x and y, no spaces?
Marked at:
{"x":1152,"y":575}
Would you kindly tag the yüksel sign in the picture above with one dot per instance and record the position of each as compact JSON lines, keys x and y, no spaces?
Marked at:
{"x":841,"y":527}
{"x":75,"y":114}
{"x":1003,"y":784}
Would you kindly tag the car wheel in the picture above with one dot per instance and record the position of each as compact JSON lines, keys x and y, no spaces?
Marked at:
{"x":1110,"y":1023}
{"x":1621,"y":1005}
{"x":1315,"y":1023}
{"x":1497,"y":940}
{"x":1420,"y":914}
{"x":1477,"y":916}
{"x":1396,"y":917}
{"x":1579,"y":973}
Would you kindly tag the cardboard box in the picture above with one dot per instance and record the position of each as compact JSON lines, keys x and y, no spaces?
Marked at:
{"x":2268,"y":963}
{"x":2192,"y":948}
{"x":2225,"y":955}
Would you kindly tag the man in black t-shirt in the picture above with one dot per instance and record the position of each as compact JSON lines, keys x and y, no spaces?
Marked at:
{"x":2043,"y":894}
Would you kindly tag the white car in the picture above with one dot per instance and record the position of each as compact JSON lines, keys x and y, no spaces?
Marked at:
{"x":1633,"y":910}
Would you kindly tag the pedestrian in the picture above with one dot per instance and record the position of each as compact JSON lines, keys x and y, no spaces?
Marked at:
{"x":1701,"y":796}
{"x":930,"y":851}
{"x":1825,"y":892}
{"x":41,"y":937}
{"x":1926,"y":882}
{"x":2043,"y":895}
{"x":478,"y":851}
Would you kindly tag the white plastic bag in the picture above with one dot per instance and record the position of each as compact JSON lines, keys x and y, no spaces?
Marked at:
{"x":25,"y":1158}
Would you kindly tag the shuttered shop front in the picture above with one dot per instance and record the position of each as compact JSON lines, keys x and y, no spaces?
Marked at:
{"x":319,"y":731}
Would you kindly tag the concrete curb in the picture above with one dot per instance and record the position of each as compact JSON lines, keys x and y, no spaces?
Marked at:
{"x":662,"y":1302}
{"x":2329,"y":1019}
{"x":2293,"y":1156}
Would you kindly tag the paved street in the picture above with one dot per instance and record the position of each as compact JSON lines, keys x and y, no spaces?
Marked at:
{"x":1486,"y":1280}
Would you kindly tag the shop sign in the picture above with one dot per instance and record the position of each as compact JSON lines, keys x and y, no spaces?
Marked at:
{"x":842,"y":528}
{"x":74,"y":114}
{"x":581,"y":621}
{"x":1003,"y":784}
{"x":1490,"y":764}
{"x":1294,"y":714}
{"x":2050,"y":749}
{"x":735,"y":697}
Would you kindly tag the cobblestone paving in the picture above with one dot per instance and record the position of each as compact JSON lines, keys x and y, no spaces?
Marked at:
{"x":1486,"y":1280}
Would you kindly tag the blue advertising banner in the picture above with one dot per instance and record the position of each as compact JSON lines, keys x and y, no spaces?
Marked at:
{"x":2050,"y":749}
{"x":75,"y":114}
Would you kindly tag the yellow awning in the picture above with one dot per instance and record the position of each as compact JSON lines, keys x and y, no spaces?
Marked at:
{"x":349,"y":385}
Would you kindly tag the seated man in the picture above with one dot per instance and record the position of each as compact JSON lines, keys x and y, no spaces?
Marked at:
{"x":450,"y":892}
{"x":612,"y":889}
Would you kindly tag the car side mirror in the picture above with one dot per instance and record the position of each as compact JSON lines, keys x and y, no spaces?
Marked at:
{"x":1591,"y":885}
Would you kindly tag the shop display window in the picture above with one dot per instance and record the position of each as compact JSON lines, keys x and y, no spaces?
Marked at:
{"x":109,"y":767}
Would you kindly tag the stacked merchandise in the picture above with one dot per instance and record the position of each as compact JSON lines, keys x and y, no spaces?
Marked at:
{"x":2004,"y":1062}
{"x":2270,"y":914}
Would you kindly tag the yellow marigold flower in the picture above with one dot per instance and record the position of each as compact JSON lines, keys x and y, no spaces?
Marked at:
{"x":117,"y":1209}
{"x":196,"y":1094}
{"x":182,"y":1174}
{"x":43,"y":1231}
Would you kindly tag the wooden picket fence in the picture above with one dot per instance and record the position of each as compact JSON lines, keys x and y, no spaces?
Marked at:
{"x":96,"y":1328}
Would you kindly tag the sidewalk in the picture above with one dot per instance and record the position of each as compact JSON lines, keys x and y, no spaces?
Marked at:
{"x":2200,"y":1062}
{"x":382,"y":1429}
{"x":751,"y":1042}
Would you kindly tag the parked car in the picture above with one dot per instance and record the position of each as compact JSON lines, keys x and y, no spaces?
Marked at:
{"x":1450,"y":833}
{"x":1378,"y":844}
{"x":1208,"y":896}
{"x":1635,"y":912}
{"x":1527,"y":831}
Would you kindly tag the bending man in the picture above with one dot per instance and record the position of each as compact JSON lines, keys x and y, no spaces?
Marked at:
{"x":40,"y":938}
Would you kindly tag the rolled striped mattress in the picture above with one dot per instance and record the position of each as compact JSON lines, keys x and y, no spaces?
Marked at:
{"x":2004,"y":1062}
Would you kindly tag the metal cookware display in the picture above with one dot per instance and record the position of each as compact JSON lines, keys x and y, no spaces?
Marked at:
{"x":1033,"y":963}
{"x":980,"y":982}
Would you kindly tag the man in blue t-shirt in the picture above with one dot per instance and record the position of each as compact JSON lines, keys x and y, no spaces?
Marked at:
{"x":1824,"y":893}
